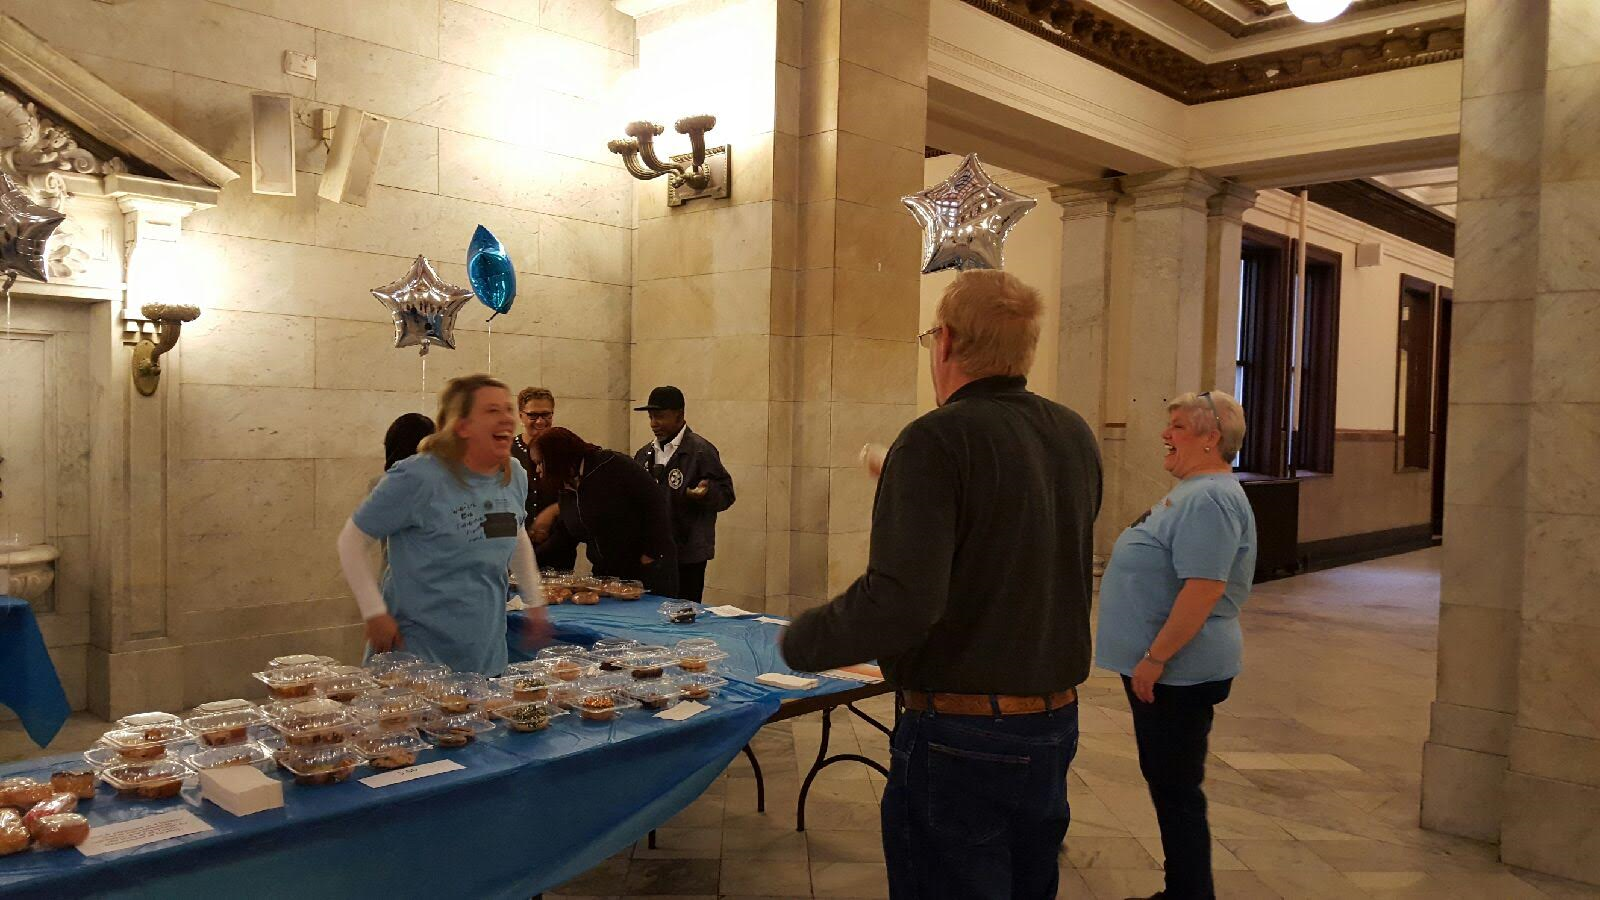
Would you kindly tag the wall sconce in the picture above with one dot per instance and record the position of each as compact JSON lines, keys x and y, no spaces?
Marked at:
{"x":169,"y":319}
{"x":702,"y":172}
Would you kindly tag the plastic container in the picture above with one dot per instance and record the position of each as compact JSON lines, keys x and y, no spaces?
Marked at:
{"x":585,"y":598}
{"x":555,"y":594}
{"x":680,"y":612}
{"x":426,"y":674}
{"x":390,"y":749}
{"x":393,"y":709}
{"x":315,"y":723}
{"x":654,"y":695}
{"x":649,"y":663}
{"x":525,"y":718}
{"x":100,"y":756}
{"x":344,"y":687}
{"x":148,"y":719}
{"x":623,"y":589}
{"x":560,"y":577}
{"x":531,"y":687}
{"x":616,"y":643}
{"x":393,"y":669}
{"x":572,"y":668}
{"x":458,"y":694}
{"x":697,"y":654}
{"x":698,"y":687}
{"x":143,"y":744}
{"x":217,"y":706}
{"x":250,"y":754}
{"x":223,"y":729}
{"x":451,"y":732}
{"x":603,"y":705}
{"x":325,"y":765}
{"x":157,"y":780}
{"x":23,"y":792}
{"x":557,"y":651}
{"x":301,"y":659}
{"x":292,"y":682}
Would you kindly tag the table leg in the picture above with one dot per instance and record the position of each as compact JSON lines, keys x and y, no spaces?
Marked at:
{"x":761,"y":784}
{"x":823,"y":761}
{"x":651,"y":840}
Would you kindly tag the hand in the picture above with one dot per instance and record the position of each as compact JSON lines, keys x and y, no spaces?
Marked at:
{"x":1145,"y":675}
{"x":872,"y":459}
{"x":383,"y":634}
{"x":700,"y":490}
{"x":539,"y":531}
{"x":536,"y":630}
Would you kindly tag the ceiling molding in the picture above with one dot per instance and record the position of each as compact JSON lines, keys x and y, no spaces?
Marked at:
{"x":1219,"y":18}
{"x":1107,"y":41}
{"x":1382,"y":209}
{"x":45,"y":75}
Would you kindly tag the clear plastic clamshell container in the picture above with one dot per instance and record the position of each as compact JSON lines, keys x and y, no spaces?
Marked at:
{"x":612,"y":660}
{"x":559,"y":651}
{"x":393,"y":709}
{"x":654,"y":695}
{"x":148,"y":720}
{"x":616,"y":643}
{"x":450,"y":732}
{"x":249,"y":754}
{"x":603,"y":705}
{"x":572,"y":668}
{"x":324,"y":765}
{"x":680,"y":612}
{"x":300,"y":659}
{"x":315,"y":723}
{"x":426,"y":674}
{"x":459,"y":693}
{"x":390,"y":749}
{"x":102,"y":756}
{"x":344,"y":687}
{"x":555,"y":594}
{"x":698,"y":687}
{"x":157,"y":780}
{"x":223,"y":729}
{"x":146,"y":743}
{"x":292,"y":682}
{"x":217,"y":706}
{"x":528,"y":717}
{"x":649,"y":662}
{"x":697,"y":654}
{"x":528,"y":687}
{"x":622,"y":589}
{"x":393,"y":669}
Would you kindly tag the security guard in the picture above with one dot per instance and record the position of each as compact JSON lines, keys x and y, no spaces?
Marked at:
{"x":690,"y":469}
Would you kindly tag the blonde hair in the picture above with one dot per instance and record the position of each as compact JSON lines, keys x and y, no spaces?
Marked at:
{"x":1227,"y":422}
{"x":992,"y":318}
{"x":455,"y":404}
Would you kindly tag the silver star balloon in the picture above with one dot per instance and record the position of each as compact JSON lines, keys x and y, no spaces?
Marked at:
{"x":965,"y":219}
{"x":25,"y":229}
{"x":424,"y":307}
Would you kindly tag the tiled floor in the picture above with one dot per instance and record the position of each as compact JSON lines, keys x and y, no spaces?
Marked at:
{"x":1313,"y":781}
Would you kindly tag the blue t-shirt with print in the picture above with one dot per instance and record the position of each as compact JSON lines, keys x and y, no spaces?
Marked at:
{"x":1202,"y":529}
{"x":450,"y":542}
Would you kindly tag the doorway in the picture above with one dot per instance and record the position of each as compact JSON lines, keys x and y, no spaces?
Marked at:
{"x":1441,"y":409}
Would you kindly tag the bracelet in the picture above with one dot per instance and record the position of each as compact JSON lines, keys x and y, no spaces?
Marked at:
{"x":1160,"y":662}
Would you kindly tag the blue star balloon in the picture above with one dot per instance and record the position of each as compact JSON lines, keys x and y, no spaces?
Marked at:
{"x":493,"y":278}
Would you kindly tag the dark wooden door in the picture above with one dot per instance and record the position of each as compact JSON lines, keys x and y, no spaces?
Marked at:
{"x":1441,"y":408}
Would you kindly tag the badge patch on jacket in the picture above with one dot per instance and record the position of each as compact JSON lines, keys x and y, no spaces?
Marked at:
{"x":499,"y":525}
{"x":675,"y":479}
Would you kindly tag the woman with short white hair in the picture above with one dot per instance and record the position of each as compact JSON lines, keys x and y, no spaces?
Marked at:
{"x":1169,"y":623}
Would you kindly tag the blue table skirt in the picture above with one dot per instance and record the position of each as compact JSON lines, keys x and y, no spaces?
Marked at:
{"x":28,"y":680}
{"x":529,"y":812}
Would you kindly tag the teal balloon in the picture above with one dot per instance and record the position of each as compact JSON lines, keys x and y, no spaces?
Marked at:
{"x":489,"y":269}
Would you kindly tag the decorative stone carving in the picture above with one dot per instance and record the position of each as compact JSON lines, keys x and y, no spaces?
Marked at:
{"x":28,"y":572}
{"x":34,"y":151}
{"x":1081,"y":28}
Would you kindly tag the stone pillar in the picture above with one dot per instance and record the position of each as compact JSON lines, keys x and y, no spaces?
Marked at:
{"x":862,"y":123}
{"x":1088,"y":217}
{"x":1497,"y":262}
{"x":1167,"y":309}
{"x":1224,"y":235}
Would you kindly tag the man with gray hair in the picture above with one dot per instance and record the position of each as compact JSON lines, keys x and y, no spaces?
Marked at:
{"x":976,"y":602}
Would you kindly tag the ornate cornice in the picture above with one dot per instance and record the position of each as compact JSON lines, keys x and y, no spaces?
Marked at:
{"x":1209,"y":11}
{"x":36,"y":151}
{"x":1103,"y":39}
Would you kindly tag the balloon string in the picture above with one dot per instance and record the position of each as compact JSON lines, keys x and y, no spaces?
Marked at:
{"x":424,"y":375}
{"x":490,"y":323}
{"x":8,"y":537}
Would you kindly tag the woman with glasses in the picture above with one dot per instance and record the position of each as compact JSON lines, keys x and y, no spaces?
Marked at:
{"x":1169,"y":622}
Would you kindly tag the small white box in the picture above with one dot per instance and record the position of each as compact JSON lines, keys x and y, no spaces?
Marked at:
{"x":241,"y":790}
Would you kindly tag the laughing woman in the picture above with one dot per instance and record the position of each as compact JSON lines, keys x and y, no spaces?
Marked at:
{"x":1169,"y":623}
{"x":452,"y":516}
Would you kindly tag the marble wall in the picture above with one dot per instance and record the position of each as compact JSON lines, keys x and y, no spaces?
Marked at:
{"x":279,"y":394}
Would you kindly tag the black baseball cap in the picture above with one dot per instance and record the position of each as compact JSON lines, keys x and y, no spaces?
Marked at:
{"x":664,"y":397}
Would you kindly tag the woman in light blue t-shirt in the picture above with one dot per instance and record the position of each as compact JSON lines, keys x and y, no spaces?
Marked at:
{"x":1169,"y":622}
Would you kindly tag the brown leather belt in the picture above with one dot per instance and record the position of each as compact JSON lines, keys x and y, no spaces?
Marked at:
{"x":986,"y":704}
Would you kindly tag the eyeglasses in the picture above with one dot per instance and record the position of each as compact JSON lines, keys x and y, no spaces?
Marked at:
{"x":540,"y":416}
{"x":1212,"y":403}
{"x":925,"y":339}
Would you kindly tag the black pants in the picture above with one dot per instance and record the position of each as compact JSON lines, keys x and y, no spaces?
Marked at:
{"x":692,"y":581}
{"x":1172,"y":733}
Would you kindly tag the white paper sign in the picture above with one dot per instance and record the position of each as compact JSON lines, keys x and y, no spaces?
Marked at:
{"x":787,"y":682}
{"x":771,"y":621}
{"x":140,"y":831}
{"x":863,"y":673}
{"x":682,"y":711}
{"x":412,"y":773}
{"x":728,"y":611}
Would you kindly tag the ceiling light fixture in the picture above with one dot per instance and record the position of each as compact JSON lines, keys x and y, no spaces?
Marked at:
{"x":1317,"y":10}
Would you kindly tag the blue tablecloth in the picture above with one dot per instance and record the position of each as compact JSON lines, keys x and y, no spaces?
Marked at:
{"x":529,"y":812}
{"x":28,"y":680}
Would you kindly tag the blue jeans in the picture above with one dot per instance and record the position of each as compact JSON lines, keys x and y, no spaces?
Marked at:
{"x":976,"y":807}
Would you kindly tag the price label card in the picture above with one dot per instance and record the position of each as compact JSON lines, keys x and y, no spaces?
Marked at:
{"x":141,"y":831}
{"x":412,"y":773}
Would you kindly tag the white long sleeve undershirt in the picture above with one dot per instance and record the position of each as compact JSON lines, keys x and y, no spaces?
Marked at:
{"x":358,"y":555}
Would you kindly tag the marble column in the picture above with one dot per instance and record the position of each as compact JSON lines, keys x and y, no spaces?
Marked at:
{"x":1224,"y":237}
{"x":862,"y":124}
{"x":1167,"y":311}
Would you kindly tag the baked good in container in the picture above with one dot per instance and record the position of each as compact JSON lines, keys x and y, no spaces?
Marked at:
{"x":566,"y":670}
{"x":77,"y":782}
{"x":555,"y":593}
{"x":586,"y":598}
{"x":525,"y":717}
{"x":57,"y":803}
{"x":530,"y":688}
{"x":23,"y":792}
{"x":62,"y":830}
{"x":597,"y":708}
{"x":147,"y":781}
{"x":14,"y":835}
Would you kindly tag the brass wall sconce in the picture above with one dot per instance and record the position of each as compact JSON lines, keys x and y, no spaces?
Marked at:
{"x":169,"y":319}
{"x":702,"y":172}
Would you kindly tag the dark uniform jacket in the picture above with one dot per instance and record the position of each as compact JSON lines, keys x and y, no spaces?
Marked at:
{"x":620,"y":515}
{"x":694,"y":521}
{"x":978,"y":576}
{"x":558,"y":551}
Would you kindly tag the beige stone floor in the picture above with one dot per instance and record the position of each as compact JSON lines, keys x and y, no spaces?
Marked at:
{"x":1313,"y":779}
